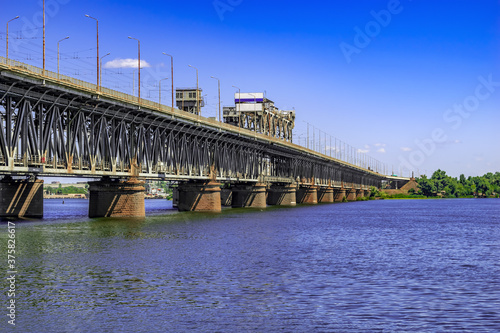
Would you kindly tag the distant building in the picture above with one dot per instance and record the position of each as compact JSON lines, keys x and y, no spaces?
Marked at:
{"x":186,"y":100}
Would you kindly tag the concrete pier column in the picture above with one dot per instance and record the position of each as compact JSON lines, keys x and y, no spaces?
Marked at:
{"x":21,"y":197}
{"x":351,"y":196}
{"x":249,"y":195}
{"x":325,"y":195}
{"x":360,"y":194}
{"x":226,"y":196}
{"x":307,"y":195}
{"x":175,"y":197}
{"x":282,"y":195}
{"x":339,"y":195}
{"x":113,"y":198}
{"x":204,"y":196}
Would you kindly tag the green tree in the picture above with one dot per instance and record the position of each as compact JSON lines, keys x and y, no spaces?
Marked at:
{"x":483,"y":187}
{"x":427,"y":186}
{"x":440,"y":180}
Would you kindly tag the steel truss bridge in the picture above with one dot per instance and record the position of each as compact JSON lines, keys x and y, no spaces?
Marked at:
{"x":54,"y":125}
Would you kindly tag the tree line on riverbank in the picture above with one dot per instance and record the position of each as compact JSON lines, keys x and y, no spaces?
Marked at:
{"x":60,"y":190}
{"x":442,"y":185}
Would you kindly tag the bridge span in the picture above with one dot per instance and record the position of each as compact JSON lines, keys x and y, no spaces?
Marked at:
{"x":55,"y":125}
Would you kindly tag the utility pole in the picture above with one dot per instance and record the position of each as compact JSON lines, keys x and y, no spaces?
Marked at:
{"x":218,"y":85}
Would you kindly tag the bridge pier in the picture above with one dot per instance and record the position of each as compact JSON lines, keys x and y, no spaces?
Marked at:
{"x":249,"y":195}
{"x":175,"y":197}
{"x":282,"y":195}
{"x":360,"y":194}
{"x":325,"y":195}
{"x":339,"y":195}
{"x":21,"y":197}
{"x":307,"y":194}
{"x":226,"y":196}
{"x":110,"y":198}
{"x":351,"y":195}
{"x":204,"y":196}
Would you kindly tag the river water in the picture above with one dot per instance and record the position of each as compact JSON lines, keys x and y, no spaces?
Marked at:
{"x":391,"y":266}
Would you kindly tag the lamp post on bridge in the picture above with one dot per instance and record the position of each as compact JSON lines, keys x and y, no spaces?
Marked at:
{"x":197,"y":92}
{"x":239,"y":102}
{"x":7,"y":38}
{"x":171,"y":76}
{"x":97,"y":26}
{"x":218,"y":84}
{"x":100,"y":68}
{"x":58,"y":55}
{"x":138,"y":67}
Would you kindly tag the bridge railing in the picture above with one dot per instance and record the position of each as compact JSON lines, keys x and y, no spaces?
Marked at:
{"x":337,"y":183}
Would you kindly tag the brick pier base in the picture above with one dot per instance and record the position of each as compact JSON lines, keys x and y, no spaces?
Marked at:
{"x":339,"y":195}
{"x":325,"y":195}
{"x":200,"y":197}
{"x":116,"y":198}
{"x":360,"y":194}
{"x":21,"y":198}
{"x":352,"y":195}
{"x":251,"y":195}
{"x":307,"y":195}
{"x":226,"y":196}
{"x":282,"y":195}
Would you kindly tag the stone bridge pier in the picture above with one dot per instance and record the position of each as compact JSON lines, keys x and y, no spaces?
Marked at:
{"x":21,"y":197}
{"x":282,"y":195}
{"x":307,"y":194}
{"x":339,"y":194}
{"x":249,"y":195}
{"x":115,"y":198}
{"x":325,"y":195}
{"x":199,"y":196}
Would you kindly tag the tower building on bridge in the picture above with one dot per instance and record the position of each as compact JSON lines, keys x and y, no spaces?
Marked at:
{"x":186,"y":100}
{"x":255,"y":112}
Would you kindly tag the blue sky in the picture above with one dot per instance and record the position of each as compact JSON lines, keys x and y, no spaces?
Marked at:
{"x":415,"y":84}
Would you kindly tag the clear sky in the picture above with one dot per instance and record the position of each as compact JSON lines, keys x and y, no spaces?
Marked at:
{"x":414,"y":84}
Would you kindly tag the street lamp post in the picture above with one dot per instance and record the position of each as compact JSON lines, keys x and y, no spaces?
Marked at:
{"x":58,"y":55}
{"x":43,"y":37}
{"x":239,"y":101}
{"x":7,"y":38}
{"x":159,"y":91}
{"x":100,"y":68}
{"x":138,"y":66}
{"x":197,"y":92}
{"x":97,"y":26}
{"x":218,"y":84}
{"x":171,"y":76}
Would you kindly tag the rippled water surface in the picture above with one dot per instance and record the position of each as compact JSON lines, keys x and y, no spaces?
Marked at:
{"x":392,"y":266}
